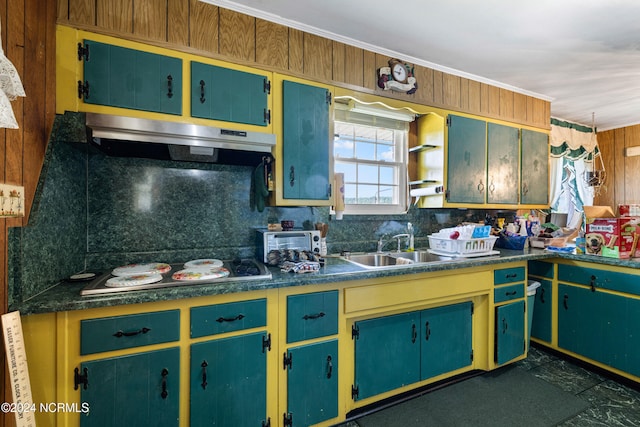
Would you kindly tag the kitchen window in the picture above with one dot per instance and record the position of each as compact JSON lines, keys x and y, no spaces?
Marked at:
{"x":371,"y":151}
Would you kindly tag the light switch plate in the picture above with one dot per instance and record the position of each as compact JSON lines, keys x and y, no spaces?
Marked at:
{"x":11,"y":200}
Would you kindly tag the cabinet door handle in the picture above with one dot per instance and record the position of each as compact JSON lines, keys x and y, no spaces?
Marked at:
{"x":292,"y":176}
{"x":492,"y":186}
{"x":202,"y":99}
{"x":313,"y":316}
{"x":505,"y":326}
{"x":525,"y":189}
{"x":204,"y":365}
{"x":511,"y":276}
{"x":120,"y":334}
{"x":427,"y":333}
{"x":169,"y":86}
{"x":565,"y":302}
{"x":510,"y":294}
{"x":542,"y":295}
{"x":230,"y":319}
{"x":480,"y":187}
{"x":414,"y":333}
{"x":593,"y":283}
{"x":329,"y":367}
{"x":164,"y":374}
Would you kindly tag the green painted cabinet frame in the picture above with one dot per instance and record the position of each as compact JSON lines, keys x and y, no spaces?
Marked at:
{"x":120,"y":77}
{"x":228,"y":382}
{"x":312,"y":383}
{"x":229,"y":95}
{"x":306,"y":142}
{"x":142,"y":389}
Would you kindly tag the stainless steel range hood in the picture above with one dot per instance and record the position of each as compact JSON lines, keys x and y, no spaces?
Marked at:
{"x":134,"y":137}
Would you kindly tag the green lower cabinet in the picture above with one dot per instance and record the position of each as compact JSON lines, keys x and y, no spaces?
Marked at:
{"x":510,"y":342}
{"x":541,"y":325}
{"x":395,"y":351}
{"x":387,"y":354}
{"x":579,"y":323}
{"x":142,"y":389}
{"x":632,"y":362}
{"x":446,"y":339}
{"x":312,"y":383}
{"x":228,"y":382}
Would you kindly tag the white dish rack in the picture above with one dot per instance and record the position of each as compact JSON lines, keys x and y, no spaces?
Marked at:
{"x":465,"y":247}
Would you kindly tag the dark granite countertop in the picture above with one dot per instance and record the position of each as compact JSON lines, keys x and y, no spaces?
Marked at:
{"x":65,"y":296}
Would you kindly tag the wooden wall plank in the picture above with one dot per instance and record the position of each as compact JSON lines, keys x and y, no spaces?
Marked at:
{"x":424,"y":79}
{"x":150,"y":19}
{"x":354,"y":66}
{"x":506,"y":104}
{"x":237,"y":35}
{"x":203,"y":26}
{"x":438,"y":88}
{"x":82,"y":12}
{"x":272,"y":44}
{"x":451,"y":91}
{"x":62,"y":11}
{"x":606,"y":142}
{"x":493,"y":101}
{"x":178,"y":22}
{"x":519,"y":106}
{"x":631,"y":166}
{"x":618,"y":180}
{"x":115,"y":15}
{"x":339,"y":54}
{"x":475,"y":97}
{"x":317,"y":56}
{"x":296,"y":50}
{"x":369,"y":78}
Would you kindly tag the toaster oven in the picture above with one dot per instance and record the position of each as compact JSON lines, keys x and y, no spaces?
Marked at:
{"x":300,"y":240}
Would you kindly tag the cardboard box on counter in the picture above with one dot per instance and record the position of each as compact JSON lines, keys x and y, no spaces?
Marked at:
{"x":609,"y":236}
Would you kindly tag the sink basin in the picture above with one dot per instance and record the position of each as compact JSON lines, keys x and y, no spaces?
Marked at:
{"x":391,"y":259}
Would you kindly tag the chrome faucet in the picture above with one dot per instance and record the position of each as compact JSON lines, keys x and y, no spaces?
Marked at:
{"x":399,"y":236}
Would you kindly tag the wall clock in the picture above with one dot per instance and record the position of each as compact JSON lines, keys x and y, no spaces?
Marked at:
{"x":398,"y":76}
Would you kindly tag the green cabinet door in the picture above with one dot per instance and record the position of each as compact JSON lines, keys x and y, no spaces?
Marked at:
{"x":120,"y":77}
{"x":312,"y":383}
{"x":312,"y":315}
{"x":510,"y":342}
{"x":446,"y":336}
{"x":228,"y":382}
{"x":142,"y":389}
{"x":580,"y":327}
{"x":541,"y":324}
{"x":632,"y":351}
{"x":503,"y":147}
{"x":229,"y":95}
{"x":305,"y":142}
{"x":466,"y":160}
{"x":534,"y":187}
{"x":387,"y":353}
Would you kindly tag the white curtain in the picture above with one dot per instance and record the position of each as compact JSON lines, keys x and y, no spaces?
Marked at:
{"x":573,"y":149}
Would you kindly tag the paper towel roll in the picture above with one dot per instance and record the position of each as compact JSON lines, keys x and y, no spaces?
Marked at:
{"x":428,"y":191}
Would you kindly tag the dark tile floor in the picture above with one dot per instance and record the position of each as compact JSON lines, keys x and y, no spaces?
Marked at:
{"x":611,"y":403}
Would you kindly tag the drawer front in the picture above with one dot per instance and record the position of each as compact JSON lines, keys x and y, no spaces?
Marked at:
{"x":134,"y":330}
{"x":507,"y":293}
{"x":612,"y":280}
{"x":312,"y":315}
{"x":542,"y":269}
{"x":223,"y":318}
{"x":508,"y":275}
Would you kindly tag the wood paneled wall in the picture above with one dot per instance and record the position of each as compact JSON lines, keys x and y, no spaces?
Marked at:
{"x":28,"y":40}
{"x":208,"y":30}
{"x":622,"y":172}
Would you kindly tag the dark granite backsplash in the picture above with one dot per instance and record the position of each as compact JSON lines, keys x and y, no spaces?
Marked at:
{"x":95,"y":212}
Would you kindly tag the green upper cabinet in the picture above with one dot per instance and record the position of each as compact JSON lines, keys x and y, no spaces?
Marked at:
{"x":466,"y":160}
{"x":120,"y":77}
{"x":534,"y":189}
{"x":502,"y":163}
{"x":305,"y":142}
{"x":229,"y":95}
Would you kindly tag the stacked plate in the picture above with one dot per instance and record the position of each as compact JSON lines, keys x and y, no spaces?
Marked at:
{"x":201,"y":270}
{"x":137,"y":274}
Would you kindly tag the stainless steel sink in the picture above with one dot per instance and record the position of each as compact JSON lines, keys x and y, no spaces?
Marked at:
{"x":391,"y":259}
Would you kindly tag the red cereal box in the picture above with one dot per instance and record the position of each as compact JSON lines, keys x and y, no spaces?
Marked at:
{"x":613,"y":237}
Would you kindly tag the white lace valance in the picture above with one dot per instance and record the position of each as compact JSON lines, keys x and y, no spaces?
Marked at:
{"x":10,"y":88}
